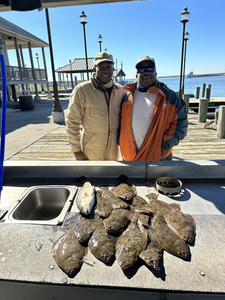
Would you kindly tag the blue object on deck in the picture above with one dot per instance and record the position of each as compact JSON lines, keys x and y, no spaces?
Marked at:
{"x":3,"y":121}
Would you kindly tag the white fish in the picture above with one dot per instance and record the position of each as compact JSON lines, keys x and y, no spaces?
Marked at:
{"x":86,"y":198}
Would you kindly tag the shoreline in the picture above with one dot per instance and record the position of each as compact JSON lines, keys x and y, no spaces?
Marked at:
{"x":195,"y":75}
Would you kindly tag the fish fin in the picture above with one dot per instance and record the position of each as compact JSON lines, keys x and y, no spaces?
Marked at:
{"x":133,"y":217}
{"x":175,"y":206}
{"x":152,"y":196}
{"x":134,"y":190}
{"x":143,"y":219}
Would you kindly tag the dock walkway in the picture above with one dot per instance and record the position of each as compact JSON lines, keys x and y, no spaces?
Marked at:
{"x":35,"y":137}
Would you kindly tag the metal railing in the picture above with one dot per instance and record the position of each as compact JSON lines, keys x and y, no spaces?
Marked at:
{"x":13,"y":73}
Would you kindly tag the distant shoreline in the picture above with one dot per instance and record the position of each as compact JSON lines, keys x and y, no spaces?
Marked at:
{"x":195,"y":75}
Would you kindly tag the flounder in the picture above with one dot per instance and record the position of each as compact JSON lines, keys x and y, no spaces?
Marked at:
{"x":124,"y":191}
{"x":140,"y":205}
{"x":117,"y":221}
{"x":152,"y":254}
{"x":169,"y":240}
{"x":182,"y":224}
{"x":104,"y":206}
{"x":68,"y":253}
{"x":131,"y":243}
{"x":159,"y":208}
{"x":115,"y":202}
{"x":102,"y":244}
{"x":86,"y":198}
{"x":83,"y":228}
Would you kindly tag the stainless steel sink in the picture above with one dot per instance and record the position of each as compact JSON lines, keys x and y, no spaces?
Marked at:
{"x":45,"y":205}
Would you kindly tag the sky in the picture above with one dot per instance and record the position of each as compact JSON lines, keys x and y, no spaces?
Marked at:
{"x":131,"y":30}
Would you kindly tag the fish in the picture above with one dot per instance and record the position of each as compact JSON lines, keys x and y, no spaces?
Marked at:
{"x":83,"y":228}
{"x":115,"y":202}
{"x":131,"y":243}
{"x":152,"y":195}
{"x":159,"y":208}
{"x":168,"y":239}
{"x":140,"y":205}
{"x":117,"y":221}
{"x":137,"y":200}
{"x":102,"y":244}
{"x":124,"y":191}
{"x":153,"y":252}
{"x":182,"y":224}
{"x":86,"y":198}
{"x":68,"y":253}
{"x":104,"y":207}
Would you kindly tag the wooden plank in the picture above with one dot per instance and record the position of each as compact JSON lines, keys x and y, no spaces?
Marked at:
{"x":199,"y":144}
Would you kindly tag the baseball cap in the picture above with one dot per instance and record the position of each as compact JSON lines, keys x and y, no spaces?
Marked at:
{"x":145,"y":58}
{"x":103,"y":56}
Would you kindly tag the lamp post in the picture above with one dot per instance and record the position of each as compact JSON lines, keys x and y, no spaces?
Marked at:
{"x":186,"y":37}
{"x":184,"y":20}
{"x":71,"y":76}
{"x":83,"y":21}
{"x":37,"y":56}
{"x":100,"y":41}
{"x":58,"y":115}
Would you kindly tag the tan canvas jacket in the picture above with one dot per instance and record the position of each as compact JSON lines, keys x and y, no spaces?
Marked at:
{"x":99,"y":117}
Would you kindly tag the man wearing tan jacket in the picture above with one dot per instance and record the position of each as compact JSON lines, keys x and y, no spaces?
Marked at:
{"x":95,"y":105}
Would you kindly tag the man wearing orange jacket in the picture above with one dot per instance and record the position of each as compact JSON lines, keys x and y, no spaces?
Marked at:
{"x":153,"y":117}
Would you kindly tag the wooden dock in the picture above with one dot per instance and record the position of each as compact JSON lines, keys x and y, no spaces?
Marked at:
{"x":199,"y":144}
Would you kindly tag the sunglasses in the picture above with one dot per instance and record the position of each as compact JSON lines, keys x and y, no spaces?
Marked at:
{"x":142,"y":70}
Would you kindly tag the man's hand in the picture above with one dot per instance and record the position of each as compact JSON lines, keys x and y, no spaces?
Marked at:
{"x":80,"y":156}
{"x":163,"y":151}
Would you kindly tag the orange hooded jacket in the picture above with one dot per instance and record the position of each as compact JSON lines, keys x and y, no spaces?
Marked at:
{"x":168,"y":127}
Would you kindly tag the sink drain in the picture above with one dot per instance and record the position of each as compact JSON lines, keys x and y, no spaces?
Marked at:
{"x":168,"y":185}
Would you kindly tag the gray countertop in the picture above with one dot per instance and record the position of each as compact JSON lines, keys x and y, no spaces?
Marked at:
{"x":25,"y":250}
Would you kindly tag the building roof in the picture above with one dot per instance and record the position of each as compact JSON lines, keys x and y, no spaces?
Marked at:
{"x":60,"y":3}
{"x":9,"y":30}
{"x":78,"y":65}
{"x":118,"y":72}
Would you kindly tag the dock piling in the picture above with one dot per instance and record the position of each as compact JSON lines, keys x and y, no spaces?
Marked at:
{"x":208,"y":92}
{"x":221,"y":122}
{"x":186,"y":100}
{"x":203,"y":109}
{"x":203,"y":90}
{"x":197,"y":92}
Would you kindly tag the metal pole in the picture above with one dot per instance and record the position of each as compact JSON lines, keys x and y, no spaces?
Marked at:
{"x":185,"y":48}
{"x":46,"y":74}
{"x":100,"y":46}
{"x":71,"y":76}
{"x":181,"y":65}
{"x":38,"y":63}
{"x":86,"y":51}
{"x":56,"y":102}
{"x":40,"y":73}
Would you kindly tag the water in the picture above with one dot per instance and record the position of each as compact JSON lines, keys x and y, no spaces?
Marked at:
{"x":190,"y":84}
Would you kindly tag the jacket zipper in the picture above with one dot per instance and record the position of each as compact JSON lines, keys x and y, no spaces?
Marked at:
{"x":107,"y":100}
